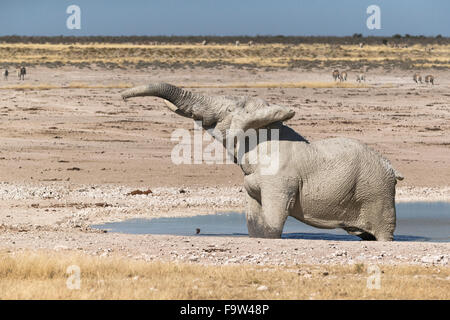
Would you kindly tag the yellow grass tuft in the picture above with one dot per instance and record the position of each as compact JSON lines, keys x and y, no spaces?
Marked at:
{"x":260,"y":55}
{"x":83,"y":85}
{"x":304,"y":84}
{"x":72,"y":85}
{"x":242,"y":85}
{"x":42,"y":275}
{"x":20,"y":87}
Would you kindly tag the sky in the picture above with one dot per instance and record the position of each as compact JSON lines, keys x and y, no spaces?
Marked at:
{"x":225,"y":17}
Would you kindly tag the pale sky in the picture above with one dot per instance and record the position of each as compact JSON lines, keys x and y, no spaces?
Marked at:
{"x":225,"y":17}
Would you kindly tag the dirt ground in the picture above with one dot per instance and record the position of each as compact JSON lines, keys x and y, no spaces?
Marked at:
{"x":69,"y":157}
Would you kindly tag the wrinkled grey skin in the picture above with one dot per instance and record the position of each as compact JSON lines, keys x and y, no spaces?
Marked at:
{"x":332,"y":183}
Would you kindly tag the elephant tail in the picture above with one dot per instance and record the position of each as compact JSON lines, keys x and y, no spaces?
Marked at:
{"x":398,"y":175}
{"x":390,"y":168}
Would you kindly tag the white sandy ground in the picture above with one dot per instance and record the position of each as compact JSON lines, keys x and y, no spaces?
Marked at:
{"x":57,"y":217}
{"x":119,"y":147}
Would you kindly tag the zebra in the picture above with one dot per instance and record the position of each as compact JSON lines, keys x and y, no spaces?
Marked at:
{"x":361,"y":77}
{"x":429,"y":79}
{"x":335,"y":74}
{"x":5,"y":74}
{"x":417,"y":78}
{"x":343,"y":76}
{"x":21,"y":72}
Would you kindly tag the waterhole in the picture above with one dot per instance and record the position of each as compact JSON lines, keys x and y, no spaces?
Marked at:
{"x":416,"y":221}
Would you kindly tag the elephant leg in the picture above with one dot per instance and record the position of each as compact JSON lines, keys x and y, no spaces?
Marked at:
{"x":266,"y":220}
{"x":380,"y":220}
{"x":253,"y":216}
{"x":384,"y":229}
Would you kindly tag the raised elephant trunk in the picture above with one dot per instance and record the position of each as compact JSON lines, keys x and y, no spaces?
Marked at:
{"x":189,"y":104}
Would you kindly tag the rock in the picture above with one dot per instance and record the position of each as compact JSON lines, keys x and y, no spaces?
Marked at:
{"x":139,"y":192}
{"x":432,"y":259}
{"x":340,"y":253}
{"x":262,"y":288}
{"x":60,"y":247}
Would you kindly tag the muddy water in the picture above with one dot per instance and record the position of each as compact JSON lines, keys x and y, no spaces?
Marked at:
{"x":416,"y":221}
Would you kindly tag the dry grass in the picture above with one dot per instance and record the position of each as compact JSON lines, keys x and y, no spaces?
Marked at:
{"x":72,"y":85}
{"x":303,"y":84}
{"x":27,"y":86}
{"x":42,"y":275}
{"x":260,"y":55}
{"x":82,"y":85}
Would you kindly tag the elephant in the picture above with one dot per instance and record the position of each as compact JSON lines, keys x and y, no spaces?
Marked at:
{"x":330,"y":183}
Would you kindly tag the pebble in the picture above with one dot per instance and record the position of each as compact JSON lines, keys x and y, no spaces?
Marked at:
{"x":262,"y":288}
{"x":60,"y":247}
{"x":340,"y":253}
{"x":432,"y":259}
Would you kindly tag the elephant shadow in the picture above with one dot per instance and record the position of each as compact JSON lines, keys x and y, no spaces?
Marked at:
{"x":344,"y":237}
{"x":321,"y":236}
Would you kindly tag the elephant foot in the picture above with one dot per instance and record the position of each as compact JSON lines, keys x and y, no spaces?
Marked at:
{"x":266,"y":235}
{"x":364,"y":235}
{"x":385,"y":237}
{"x":367,"y":236}
{"x":262,"y":232}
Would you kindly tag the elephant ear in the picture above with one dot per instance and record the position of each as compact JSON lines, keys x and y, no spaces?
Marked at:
{"x":259,"y":118}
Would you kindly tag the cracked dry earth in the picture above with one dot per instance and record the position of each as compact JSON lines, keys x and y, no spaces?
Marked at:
{"x":70,"y":158}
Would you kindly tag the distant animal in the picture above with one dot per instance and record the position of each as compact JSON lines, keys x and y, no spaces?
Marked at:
{"x":429,"y":79}
{"x":204,"y":43}
{"x":335,"y":74}
{"x":21,"y":72}
{"x":417,"y":78}
{"x":197,"y":231}
{"x":361,"y":77}
{"x":361,"y":44}
{"x":5,"y":74}
{"x":343,"y":76}
{"x":237,"y":43}
{"x":250,"y":43}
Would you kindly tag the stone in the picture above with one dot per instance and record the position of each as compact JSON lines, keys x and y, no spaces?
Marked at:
{"x":262,"y":288}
